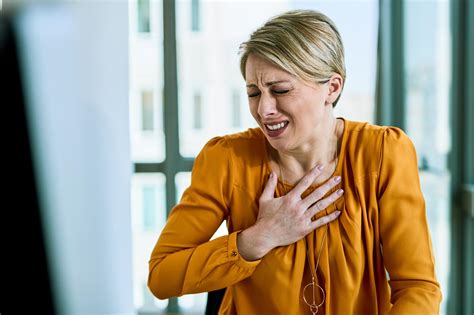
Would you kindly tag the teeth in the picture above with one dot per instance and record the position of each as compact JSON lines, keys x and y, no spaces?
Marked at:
{"x":276,"y":127}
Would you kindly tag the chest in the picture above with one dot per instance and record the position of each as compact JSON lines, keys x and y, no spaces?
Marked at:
{"x":292,"y":177}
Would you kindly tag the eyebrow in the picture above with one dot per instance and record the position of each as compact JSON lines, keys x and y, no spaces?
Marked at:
{"x":269,"y":83}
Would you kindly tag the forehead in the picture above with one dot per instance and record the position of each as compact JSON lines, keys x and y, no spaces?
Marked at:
{"x":258,"y":70}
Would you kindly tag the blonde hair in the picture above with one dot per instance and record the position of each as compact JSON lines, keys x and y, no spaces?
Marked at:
{"x":305,"y":43}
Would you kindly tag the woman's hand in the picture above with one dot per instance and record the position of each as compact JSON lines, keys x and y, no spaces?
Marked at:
{"x":287,"y":219}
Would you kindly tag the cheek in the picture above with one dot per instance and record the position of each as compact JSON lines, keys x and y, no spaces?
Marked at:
{"x":253,"y":107}
{"x":307,"y":116}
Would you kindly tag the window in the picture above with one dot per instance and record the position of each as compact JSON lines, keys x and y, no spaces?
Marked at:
{"x":148,"y":112}
{"x":212,"y":62}
{"x":427,"y":82}
{"x":143,"y":17}
{"x":146,"y":88}
{"x":357,"y":24}
{"x":211,"y":95}
{"x":236,"y":108}
{"x":149,"y":208}
{"x":197,"y":101}
{"x":148,"y":219}
{"x":148,"y":195}
{"x":151,"y":304}
{"x":195,"y":21}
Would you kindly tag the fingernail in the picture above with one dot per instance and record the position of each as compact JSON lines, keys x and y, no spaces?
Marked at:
{"x":337,"y":179}
{"x":271,"y":175}
{"x":320,"y":167}
{"x":339,"y":192}
{"x":337,"y":213}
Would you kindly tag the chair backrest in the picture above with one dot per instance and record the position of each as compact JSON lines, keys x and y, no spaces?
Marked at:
{"x":214,"y":300}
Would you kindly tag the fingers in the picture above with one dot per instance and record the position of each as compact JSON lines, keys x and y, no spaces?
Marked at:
{"x":321,"y":191}
{"x":307,"y":180}
{"x":269,"y":190}
{"x":325,"y":220}
{"x":324,"y":203}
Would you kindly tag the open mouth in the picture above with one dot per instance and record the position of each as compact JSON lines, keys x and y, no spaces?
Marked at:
{"x":276,"y":129}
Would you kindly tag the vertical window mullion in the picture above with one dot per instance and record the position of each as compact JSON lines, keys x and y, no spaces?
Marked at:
{"x":170,"y":108}
{"x":390,"y":92}
{"x":170,"y":99}
{"x":462,"y":113}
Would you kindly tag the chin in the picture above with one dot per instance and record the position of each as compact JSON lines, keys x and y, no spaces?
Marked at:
{"x":277,"y":144}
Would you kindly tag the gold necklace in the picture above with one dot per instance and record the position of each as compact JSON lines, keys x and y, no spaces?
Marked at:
{"x":313,"y":307}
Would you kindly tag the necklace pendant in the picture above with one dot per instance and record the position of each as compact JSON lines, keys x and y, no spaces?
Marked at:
{"x":313,"y":307}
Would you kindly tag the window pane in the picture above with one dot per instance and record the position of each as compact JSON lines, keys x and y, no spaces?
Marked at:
{"x":208,"y":62}
{"x":146,"y":84}
{"x":148,"y":111}
{"x":143,"y":16}
{"x":195,"y":18}
{"x":197,"y":111}
{"x":427,"y":57}
{"x":149,"y":208}
{"x":148,"y":219}
{"x":236,"y":108}
{"x":357,"y":22}
{"x":147,"y":141}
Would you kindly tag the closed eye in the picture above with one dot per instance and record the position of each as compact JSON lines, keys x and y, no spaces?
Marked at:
{"x":254,"y":94}
{"x":278,"y":92}
{"x":281,"y":91}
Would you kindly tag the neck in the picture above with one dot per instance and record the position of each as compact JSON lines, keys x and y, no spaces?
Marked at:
{"x":320,"y":149}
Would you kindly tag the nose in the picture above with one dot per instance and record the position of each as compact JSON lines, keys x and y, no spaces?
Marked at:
{"x":266,"y":105}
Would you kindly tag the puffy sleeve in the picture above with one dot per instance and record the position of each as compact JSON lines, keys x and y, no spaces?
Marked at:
{"x":405,"y":237}
{"x":184,"y":260}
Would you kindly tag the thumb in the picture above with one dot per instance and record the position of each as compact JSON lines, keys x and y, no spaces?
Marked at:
{"x":269,"y":191}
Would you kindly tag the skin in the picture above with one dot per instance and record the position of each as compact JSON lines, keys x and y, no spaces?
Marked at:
{"x":310,"y":140}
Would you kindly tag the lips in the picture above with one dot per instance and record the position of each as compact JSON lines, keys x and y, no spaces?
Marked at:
{"x":276,"y":128}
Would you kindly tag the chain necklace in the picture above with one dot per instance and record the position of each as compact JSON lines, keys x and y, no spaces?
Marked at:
{"x":313,"y":307}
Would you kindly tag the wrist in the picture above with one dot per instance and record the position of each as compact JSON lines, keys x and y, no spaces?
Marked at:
{"x":252,"y":244}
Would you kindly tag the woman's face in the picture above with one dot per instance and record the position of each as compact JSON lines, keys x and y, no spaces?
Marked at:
{"x":287,"y":109}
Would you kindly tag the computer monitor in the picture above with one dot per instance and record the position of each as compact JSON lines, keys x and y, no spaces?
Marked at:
{"x":25,"y":282}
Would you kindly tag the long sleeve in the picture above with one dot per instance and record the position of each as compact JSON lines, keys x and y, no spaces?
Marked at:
{"x":183,"y":260}
{"x":405,"y":237}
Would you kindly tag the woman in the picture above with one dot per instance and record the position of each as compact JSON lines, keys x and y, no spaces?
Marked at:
{"x":317,"y":208}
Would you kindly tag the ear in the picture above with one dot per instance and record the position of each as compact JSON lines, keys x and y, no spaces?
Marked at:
{"x":335,"y":85}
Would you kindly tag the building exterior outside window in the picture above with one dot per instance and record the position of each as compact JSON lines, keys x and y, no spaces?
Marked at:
{"x":212,"y":99}
{"x":148,"y":111}
{"x":195,"y":16}
{"x":143,"y":17}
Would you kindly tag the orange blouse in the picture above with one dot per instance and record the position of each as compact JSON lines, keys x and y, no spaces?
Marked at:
{"x":377,"y":257}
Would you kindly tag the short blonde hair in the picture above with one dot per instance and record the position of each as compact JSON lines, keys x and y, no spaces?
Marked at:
{"x":305,"y":43}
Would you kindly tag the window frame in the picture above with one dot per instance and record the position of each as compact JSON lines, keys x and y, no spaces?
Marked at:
{"x":390,"y":110}
{"x":173,"y":163}
{"x":461,"y":286}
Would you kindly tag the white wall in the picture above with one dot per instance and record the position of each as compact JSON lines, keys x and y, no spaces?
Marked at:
{"x":75,"y":58}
